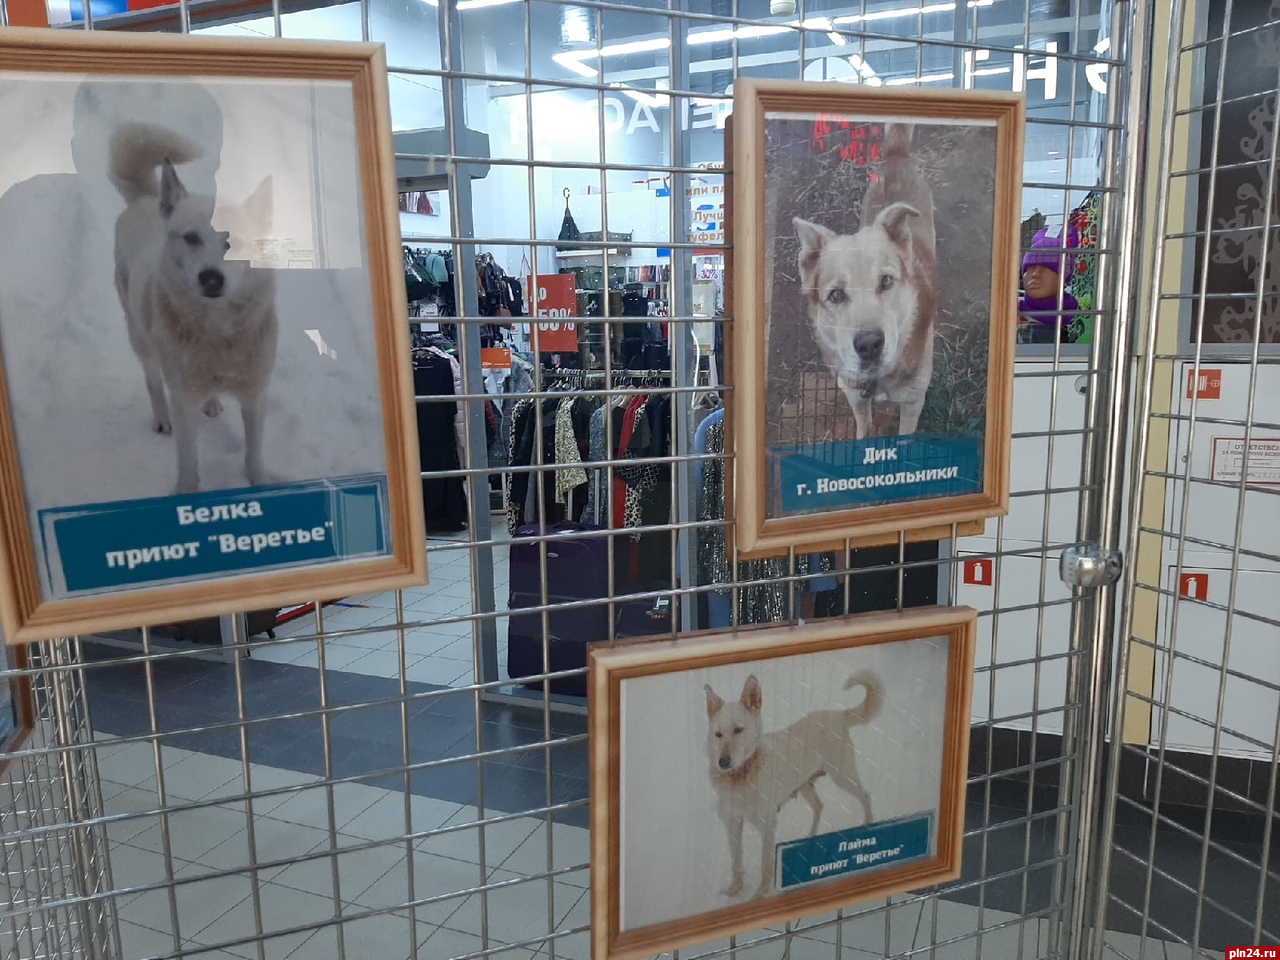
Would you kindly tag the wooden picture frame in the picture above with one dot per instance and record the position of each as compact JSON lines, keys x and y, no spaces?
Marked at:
{"x":682,"y":731}
{"x":825,"y":449}
{"x":205,"y":222}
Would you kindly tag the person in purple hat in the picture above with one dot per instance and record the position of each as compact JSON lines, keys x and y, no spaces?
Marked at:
{"x":1045,"y":303}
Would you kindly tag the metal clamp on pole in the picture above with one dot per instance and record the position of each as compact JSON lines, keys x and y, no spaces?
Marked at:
{"x":1090,"y":566}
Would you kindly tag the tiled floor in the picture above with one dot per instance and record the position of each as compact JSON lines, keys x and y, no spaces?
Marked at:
{"x":439,"y":651}
{"x":332,"y":860}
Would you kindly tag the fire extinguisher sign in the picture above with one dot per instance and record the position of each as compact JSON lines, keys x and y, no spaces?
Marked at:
{"x":554,"y":300}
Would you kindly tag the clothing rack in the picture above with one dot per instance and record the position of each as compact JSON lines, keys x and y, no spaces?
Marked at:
{"x":573,"y":373}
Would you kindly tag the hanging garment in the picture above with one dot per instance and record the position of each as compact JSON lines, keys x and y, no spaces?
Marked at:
{"x":444,"y":500}
{"x":569,"y":476}
{"x":515,"y":501}
{"x":758,"y":602}
{"x":515,"y":296}
{"x":459,"y":427}
{"x":621,"y":474}
{"x":533,"y":441}
{"x":1084,"y":279}
{"x":650,"y":560}
{"x":569,"y":231}
{"x":597,"y":505}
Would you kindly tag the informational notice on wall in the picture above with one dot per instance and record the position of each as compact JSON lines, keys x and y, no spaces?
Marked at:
{"x":1263,"y":459}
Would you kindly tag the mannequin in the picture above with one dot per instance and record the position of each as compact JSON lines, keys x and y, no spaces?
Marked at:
{"x":1045,"y":305}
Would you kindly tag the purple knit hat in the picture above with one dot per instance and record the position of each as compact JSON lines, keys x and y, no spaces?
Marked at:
{"x":1047,"y":251}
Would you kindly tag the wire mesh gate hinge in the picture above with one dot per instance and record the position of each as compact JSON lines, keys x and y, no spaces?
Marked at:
{"x":1090,"y":566}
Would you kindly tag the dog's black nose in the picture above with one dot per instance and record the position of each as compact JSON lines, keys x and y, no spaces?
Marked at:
{"x":211,"y":282}
{"x":869,"y":345}
{"x":725,"y":762}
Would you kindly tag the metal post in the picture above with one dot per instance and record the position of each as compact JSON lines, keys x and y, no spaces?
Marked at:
{"x":68,"y":723}
{"x":1109,"y":406}
{"x":684,"y":356}
{"x":485,"y":630}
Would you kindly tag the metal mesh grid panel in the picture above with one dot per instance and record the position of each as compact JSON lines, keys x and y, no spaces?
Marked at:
{"x":53,"y":847}
{"x":1191,"y":793}
{"x":371,"y":781}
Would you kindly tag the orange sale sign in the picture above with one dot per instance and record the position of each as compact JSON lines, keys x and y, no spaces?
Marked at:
{"x":554,"y":299}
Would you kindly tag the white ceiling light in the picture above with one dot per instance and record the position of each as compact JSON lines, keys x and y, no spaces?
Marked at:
{"x":900,"y":12}
{"x":639,"y":96}
{"x":865,"y":71}
{"x":479,"y":4}
{"x":727,"y":34}
{"x":926,"y":78}
{"x":571,"y":62}
{"x":824,"y":23}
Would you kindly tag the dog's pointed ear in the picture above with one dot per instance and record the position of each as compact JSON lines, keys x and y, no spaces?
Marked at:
{"x":894,"y":219}
{"x":751,"y":695}
{"x":813,"y":237}
{"x":171,"y":189}
{"x":714,"y":700}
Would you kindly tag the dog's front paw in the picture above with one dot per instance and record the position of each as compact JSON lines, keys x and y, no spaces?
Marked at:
{"x":733,"y":889}
{"x":257,"y":475}
{"x":213,"y":408}
{"x":765,"y":888}
{"x":162,"y":426}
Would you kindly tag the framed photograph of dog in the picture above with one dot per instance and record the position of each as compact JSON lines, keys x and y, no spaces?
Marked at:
{"x":740,"y":780}
{"x":875,"y":268}
{"x":206,"y":401}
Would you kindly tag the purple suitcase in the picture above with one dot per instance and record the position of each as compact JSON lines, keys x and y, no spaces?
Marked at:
{"x":577,"y":569}
{"x":645,"y":618}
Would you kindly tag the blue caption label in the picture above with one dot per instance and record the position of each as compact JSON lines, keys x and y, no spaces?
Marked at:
{"x":99,"y":8}
{"x":140,"y":542}
{"x":836,"y":854}
{"x":858,"y":473}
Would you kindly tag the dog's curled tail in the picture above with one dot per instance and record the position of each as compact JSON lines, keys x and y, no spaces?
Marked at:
{"x":869,"y":709}
{"x":897,"y":140}
{"x":137,"y":149}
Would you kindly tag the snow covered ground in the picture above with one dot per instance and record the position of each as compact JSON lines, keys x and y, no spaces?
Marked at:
{"x":83,"y":418}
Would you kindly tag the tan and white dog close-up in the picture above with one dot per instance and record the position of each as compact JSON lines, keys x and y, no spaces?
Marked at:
{"x":202,"y":323}
{"x":754,"y":773}
{"x":871,"y":295}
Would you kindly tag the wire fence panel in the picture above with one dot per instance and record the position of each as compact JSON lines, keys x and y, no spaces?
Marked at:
{"x":405,"y":775}
{"x":54,"y":847}
{"x":1191,"y":792}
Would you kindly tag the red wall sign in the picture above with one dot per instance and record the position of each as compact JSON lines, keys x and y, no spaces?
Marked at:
{"x":1208,"y":386}
{"x":553,"y":301}
{"x":1194,"y":586}
{"x":978,"y":572}
{"x":858,"y":143}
